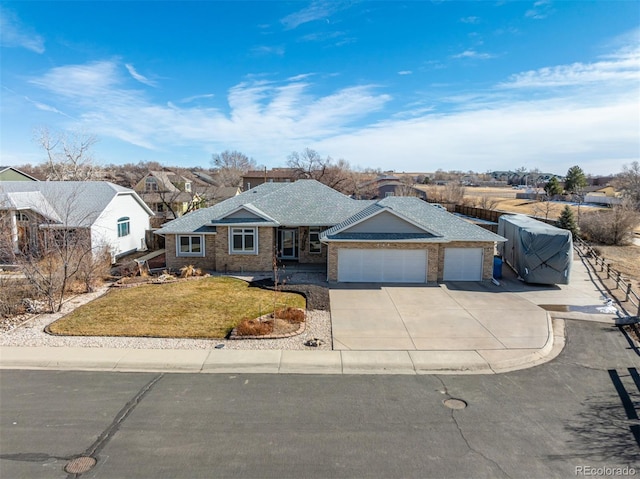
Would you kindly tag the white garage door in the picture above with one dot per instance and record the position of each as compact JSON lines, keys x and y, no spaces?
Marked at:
{"x":382,"y":266}
{"x":462,"y":264}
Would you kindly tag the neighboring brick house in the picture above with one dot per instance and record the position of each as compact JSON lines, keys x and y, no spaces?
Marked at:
{"x":254,"y":178}
{"x":396,"y":239}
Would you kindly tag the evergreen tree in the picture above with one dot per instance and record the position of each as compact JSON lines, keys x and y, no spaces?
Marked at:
{"x":567,"y":221}
{"x":553,"y":187}
{"x":575,"y":180}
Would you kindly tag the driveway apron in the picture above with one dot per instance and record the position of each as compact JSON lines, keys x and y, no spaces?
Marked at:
{"x":444,"y":317}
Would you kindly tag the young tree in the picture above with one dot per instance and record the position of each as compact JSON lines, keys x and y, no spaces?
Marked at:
{"x":567,"y":221}
{"x":69,"y":156}
{"x":231,"y":166}
{"x":575,"y":180}
{"x":553,"y":188}
{"x":629,"y":182}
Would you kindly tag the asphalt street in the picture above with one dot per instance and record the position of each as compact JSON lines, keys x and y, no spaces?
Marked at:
{"x":575,"y":414}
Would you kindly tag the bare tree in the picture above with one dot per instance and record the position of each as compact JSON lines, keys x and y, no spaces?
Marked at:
{"x":309,"y":164}
{"x":69,"y":156}
{"x":544,"y":207}
{"x":629,"y":182}
{"x":231,"y":166}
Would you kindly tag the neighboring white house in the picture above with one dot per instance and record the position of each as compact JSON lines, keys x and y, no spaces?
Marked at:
{"x":115,"y":216}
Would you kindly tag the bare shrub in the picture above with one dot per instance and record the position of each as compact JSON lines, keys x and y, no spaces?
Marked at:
{"x":254,"y":327}
{"x":190,"y":271}
{"x":613,"y":227}
{"x":13,"y":291}
{"x":293,"y":315}
{"x":93,"y":270}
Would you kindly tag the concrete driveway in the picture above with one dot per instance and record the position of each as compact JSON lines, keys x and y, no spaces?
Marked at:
{"x":459,"y":316}
{"x":446,"y":317}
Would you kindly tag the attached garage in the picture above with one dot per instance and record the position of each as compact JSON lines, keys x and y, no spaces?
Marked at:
{"x":462,"y":264}
{"x":382,"y":265}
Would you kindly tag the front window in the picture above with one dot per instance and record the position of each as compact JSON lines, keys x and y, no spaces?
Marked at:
{"x":243,"y":240}
{"x":315,"y":247}
{"x":123,"y":227}
{"x":160,"y":207}
{"x":190,"y":246}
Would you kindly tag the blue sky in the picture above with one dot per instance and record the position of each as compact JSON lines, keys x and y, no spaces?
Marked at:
{"x":404,"y":86}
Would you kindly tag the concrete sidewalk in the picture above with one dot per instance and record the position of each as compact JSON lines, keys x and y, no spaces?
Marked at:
{"x":579,"y":300}
{"x":292,"y":362}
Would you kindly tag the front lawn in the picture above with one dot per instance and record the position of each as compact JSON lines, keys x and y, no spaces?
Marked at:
{"x":205,"y":308}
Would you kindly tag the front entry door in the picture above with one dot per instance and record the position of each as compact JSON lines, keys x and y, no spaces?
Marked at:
{"x":288,"y":243}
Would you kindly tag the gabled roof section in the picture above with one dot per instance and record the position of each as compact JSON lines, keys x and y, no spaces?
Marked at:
{"x":4,"y":169}
{"x":76,"y":203}
{"x":438,"y":224}
{"x":245,"y":214}
{"x":364,"y":223}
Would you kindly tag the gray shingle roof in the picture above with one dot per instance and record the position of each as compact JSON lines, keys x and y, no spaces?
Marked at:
{"x":74,"y":203}
{"x":310,"y":203}
{"x":442,"y":226}
{"x":301,"y":203}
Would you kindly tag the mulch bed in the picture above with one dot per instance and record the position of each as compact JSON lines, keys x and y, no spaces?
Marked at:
{"x":317,"y":296}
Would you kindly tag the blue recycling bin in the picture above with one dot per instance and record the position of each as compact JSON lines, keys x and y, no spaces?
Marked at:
{"x":497,"y":267}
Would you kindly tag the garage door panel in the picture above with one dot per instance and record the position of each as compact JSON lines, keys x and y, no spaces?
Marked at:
{"x":463,"y":264}
{"x":382,"y":265}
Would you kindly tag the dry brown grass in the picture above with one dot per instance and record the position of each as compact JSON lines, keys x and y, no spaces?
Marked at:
{"x":206,"y":308}
{"x":625,"y":259}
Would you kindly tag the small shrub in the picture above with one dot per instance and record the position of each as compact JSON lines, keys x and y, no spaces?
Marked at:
{"x":253,"y":327}
{"x":292,"y":315}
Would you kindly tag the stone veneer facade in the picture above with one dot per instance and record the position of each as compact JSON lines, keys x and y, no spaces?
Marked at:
{"x":435,"y":268}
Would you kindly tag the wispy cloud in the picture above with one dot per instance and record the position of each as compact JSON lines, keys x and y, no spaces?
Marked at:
{"x":622,"y":66}
{"x":261,"y":114}
{"x":268,"y":50}
{"x":138,"y":77}
{"x":541,"y":10}
{"x":14,"y":34}
{"x":193,"y":98}
{"x":317,"y":10}
{"x":473,"y":55}
{"x":405,"y":72}
{"x":471,"y":20}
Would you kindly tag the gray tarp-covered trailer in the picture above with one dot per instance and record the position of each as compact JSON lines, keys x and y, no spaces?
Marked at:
{"x":538,"y":252}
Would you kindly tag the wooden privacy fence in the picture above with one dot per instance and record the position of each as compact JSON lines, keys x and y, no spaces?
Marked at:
{"x":599,"y":264}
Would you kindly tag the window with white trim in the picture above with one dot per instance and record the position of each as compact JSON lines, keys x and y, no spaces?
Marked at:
{"x":123,"y":227}
{"x":188,"y":245}
{"x":315,"y":247}
{"x":243,"y":241}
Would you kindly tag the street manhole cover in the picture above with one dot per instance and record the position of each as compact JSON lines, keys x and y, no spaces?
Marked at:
{"x":453,"y":403}
{"x":80,"y":464}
